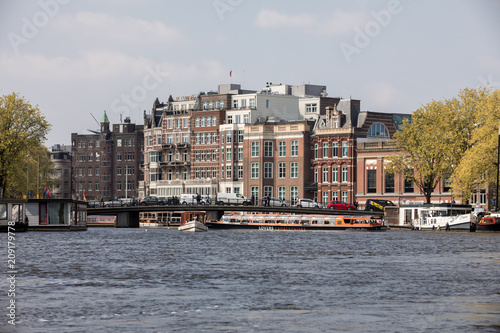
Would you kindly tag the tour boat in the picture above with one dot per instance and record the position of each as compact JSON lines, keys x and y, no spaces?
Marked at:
{"x":193,"y":222}
{"x":489,"y":223}
{"x":298,"y":222}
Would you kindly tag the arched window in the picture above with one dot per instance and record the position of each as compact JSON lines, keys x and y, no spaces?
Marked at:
{"x":378,"y":130}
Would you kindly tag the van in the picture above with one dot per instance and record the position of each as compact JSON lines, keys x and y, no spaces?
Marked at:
{"x":232,"y":199}
{"x":190,"y":199}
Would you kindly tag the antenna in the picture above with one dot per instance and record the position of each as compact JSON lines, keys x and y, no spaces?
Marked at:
{"x":95,"y":119}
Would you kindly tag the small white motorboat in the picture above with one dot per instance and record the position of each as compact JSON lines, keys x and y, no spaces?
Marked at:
{"x":193,"y":222}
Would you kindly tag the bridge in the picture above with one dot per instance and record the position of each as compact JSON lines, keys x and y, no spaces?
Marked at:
{"x":128,"y":217}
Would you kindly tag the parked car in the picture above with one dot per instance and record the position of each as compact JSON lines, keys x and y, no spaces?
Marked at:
{"x":338,"y":204}
{"x":277,"y":202}
{"x":308,"y":203}
{"x":375,"y":205}
{"x":93,"y":204}
{"x":113,"y":203}
{"x":151,"y":201}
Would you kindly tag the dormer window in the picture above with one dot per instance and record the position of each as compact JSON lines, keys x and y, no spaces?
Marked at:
{"x":378,"y":130}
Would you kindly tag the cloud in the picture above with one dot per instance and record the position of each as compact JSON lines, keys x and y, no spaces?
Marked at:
{"x":488,"y":62}
{"x":272,"y":19}
{"x":339,"y":22}
{"x":344,"y":22}
{"x":113,"y":29}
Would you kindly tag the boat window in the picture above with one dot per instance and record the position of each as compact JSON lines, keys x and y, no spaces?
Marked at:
{"x":280,"y":221}
{"x":258,"y":219}
{"x":306,"y":220}
{"x":3,"y":211}
{"x":269,"y":219}
{"x":246,"y":219}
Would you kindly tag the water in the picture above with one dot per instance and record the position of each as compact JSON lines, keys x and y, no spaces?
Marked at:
{"x":133,"y":280}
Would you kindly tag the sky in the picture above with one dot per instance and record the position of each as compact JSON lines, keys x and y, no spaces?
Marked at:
{"x":75,"y":59}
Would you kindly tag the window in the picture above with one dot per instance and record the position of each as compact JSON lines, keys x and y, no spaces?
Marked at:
{"x":240,"y":171}
{"x":240,"y":153}
{"x":325,"y":149}
{"x":371,"y":179}
{"x":311,"y":108}
{"x":344,"y":196}
{"x":316,"y":151}
{"x":268,"y":149}
{"x":335,"y":174}
{"x":325,"y":175}
{"x":281,"y":170}
{"x":170,"y":138}
{"x":282,"y":148}
{"x":228,"y":154}
{"x":243,"y":103}
{"x":252,"y":102}
{"x":378,"y":130}
{"x":268,"y":170}
{"x":324,"y":198}
{"x":344,"y":148}
{"x":229,"y":119}
{"x":235,"y":104}
{"x":389,"y":182}
{"x":335,"y":149}
{"x":335,"y":195}
{"x":246,"y":119}
{"x":295,"y":148}
{"x":344,"y":174}
{"x":282,"y":192}
{"x":294,"y":192}
{"x":229,"y":136}
{"x":255,"y":149}
{"x":197,"y":122}
{"x":255,"y":170}
{"x":118,"y":142}
{"x":294,"y":170}
{"x":255,"y":191}
{"x":409,"y":184}
{"x":228,"y":171}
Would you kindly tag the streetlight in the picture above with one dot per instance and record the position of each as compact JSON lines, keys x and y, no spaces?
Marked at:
{"x":498,"y":168}
{"x":27,"y":173}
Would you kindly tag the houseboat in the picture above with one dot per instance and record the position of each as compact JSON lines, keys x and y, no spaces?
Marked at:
{"x":298,"y":222}
{"x":436,"y":216}
{"x":489,"y":223}
{"x":193,"y":222}
{"x":56,"y":215}
{"x":12,"y":215}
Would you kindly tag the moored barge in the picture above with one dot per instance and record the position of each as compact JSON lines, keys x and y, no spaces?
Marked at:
{"x":298,"y":222}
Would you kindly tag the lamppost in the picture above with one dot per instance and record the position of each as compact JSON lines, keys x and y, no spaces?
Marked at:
{"x":498,"y":168}
{"x":27,"y":173}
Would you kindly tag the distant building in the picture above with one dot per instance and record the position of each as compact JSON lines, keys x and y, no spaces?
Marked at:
{"x":105,"y":163}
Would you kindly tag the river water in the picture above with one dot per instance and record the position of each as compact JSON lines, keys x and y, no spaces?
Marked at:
{"x":137,"y":280}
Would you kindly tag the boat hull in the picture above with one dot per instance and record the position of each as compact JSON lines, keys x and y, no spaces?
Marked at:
{"x":292,"y":227}
{"x":193,"y":226}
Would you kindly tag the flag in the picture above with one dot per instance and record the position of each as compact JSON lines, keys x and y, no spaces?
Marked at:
{"x":84,"y":197}
{"x":47,"y":191}
{"x":231,"y":73}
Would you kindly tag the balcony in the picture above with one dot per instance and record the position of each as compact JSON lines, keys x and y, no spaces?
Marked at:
{"x":183,"y":145}
{"x":168,"y":146}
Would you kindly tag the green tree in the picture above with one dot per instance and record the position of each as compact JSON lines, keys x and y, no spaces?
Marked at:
{"x":478,"y":166}
{"x":23,"y":129}
{"x":435,"y":139}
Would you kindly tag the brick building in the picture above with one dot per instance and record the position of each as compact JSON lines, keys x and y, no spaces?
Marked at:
{"x":276,"y":158}
{"x":106,"y":163}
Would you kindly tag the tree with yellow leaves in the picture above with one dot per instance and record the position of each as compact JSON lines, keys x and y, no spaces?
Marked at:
{"x":434,"y":142}
{"x":479,"y":165}
{"x":23,"y":129}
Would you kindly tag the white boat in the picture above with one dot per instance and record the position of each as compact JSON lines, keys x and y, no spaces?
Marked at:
{"x":437,"y":216}
{"x":193,"y":222}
